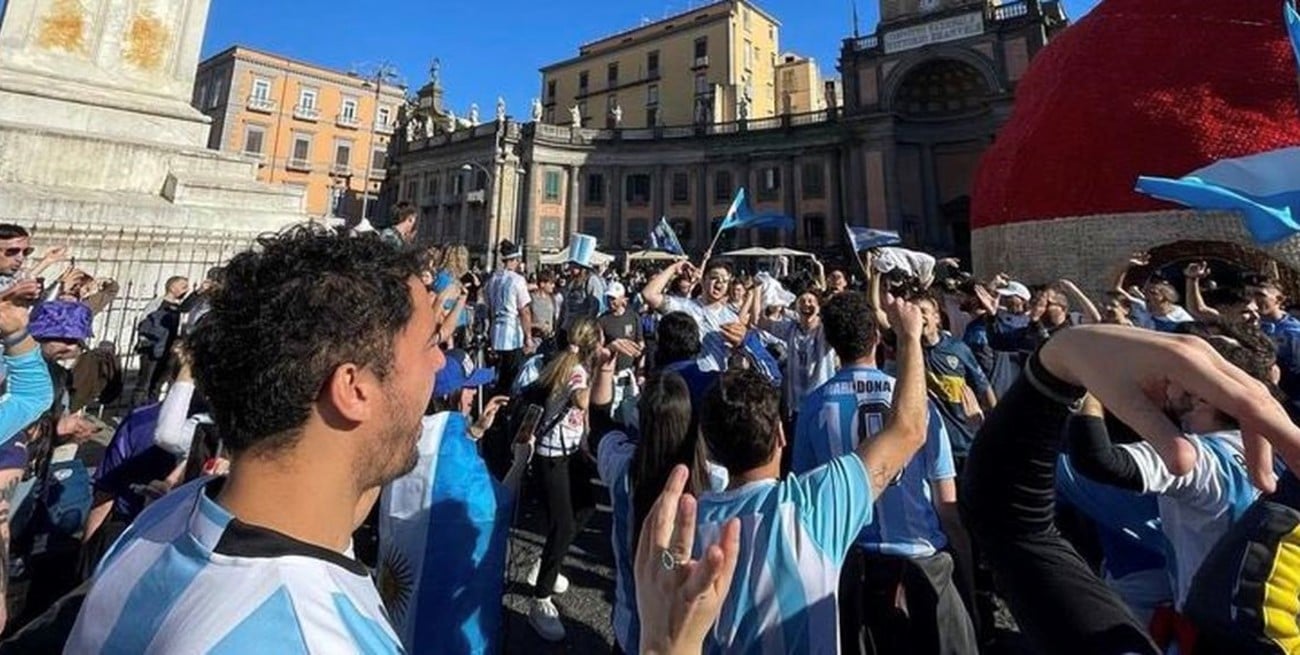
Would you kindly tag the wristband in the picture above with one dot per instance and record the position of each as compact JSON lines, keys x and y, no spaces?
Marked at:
{"x":1051,"y":386}
{"x":14,"y":339}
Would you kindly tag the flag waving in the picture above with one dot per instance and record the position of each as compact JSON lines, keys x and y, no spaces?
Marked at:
{"x":664,"y":239}
{"x":740,"y":216}
{"x":865,"y":238}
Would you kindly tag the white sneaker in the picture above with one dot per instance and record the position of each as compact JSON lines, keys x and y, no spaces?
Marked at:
{"x":545,"y":619}
{"x":561,"y":582}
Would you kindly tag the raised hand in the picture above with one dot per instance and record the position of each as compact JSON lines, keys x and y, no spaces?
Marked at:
{"x":1139,"y":259}
{"x":1137,"y":373}
{"x":1197,"y":271}
{"x":904,"y":317}
{"x":678,"y":598}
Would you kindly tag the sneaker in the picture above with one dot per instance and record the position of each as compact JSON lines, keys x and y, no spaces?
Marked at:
{"x":561,"y":582}
{"x":545,"y":619}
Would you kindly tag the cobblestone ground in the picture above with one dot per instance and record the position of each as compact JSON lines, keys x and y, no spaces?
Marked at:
{"x":586,"y":607}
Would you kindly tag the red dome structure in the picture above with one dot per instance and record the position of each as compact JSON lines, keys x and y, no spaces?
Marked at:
{"x":1139,"y":87}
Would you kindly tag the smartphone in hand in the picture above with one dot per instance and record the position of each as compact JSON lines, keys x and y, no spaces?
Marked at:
{"x":532,"y":416}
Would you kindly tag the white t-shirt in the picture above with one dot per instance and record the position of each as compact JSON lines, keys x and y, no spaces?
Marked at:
{"x":1196,"y":509}
{"x":565,"y":438}
{"x":710,"y":319}
{"x":809,"y":361}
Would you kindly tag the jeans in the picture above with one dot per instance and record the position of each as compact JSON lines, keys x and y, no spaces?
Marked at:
{"x":565,"y":483}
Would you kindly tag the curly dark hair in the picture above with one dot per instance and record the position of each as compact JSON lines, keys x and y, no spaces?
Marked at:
{"x":850,"y":325}
{"x":1243,"y":345}
{"x":740,"y":420}
{"x":292,"y":309}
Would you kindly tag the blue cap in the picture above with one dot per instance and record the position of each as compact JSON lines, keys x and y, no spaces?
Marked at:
{"x":460,"y":373}
{"x":60,"y":320}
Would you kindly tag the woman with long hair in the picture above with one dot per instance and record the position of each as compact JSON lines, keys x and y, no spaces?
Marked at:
{"x":563,"y":471}
{"x":635,"y":462}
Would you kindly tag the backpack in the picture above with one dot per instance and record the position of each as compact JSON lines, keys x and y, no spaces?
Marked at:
{"x":498,"y":442}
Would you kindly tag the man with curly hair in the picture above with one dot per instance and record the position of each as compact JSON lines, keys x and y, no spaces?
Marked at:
{"x":317,"y":358}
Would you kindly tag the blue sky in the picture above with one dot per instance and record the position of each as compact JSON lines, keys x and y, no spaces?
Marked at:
{"x":493,"y":48}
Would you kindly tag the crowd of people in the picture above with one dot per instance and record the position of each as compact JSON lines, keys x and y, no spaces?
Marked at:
{"x":326,"y":443}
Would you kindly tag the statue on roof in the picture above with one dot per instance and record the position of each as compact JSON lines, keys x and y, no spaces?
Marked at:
{"x":473,"y":114}
{"x":575,"y":114}
{"x":435,"y":69}
{"x":501,"y":109}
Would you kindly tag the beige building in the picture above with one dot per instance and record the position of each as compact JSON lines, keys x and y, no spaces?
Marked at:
{"x":709,"y":65}
{"x":309,"y":127}
{"x":799,"y":86}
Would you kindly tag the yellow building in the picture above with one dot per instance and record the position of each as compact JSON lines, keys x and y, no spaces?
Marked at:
{"x":798,"y":85}
{"x":309,"y":126}
{"x":713,"y":64}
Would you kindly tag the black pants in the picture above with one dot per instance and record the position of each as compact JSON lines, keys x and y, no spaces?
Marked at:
{"x":902,"y":605}
{"x":149,"y":380}
{"x":508,"y":364}
{"x":565,"y":483}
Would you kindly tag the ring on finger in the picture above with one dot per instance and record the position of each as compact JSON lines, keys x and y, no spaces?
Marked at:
{"x":668,"y":560}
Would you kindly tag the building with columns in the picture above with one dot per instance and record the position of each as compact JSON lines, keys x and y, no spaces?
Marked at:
{"x":922,"y":98}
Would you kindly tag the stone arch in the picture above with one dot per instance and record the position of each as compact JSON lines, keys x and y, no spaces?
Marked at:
{"x":970,"y":64}
{"x":1169,"y":257}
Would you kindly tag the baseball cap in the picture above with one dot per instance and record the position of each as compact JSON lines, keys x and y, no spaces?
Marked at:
{"x":507,"y":249}
{"x":615,"y":290}
{"x":1015,"y":289}
{"x":460,"y":373}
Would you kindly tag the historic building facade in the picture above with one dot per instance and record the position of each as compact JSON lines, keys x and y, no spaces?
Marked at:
{"x":922,"y":98}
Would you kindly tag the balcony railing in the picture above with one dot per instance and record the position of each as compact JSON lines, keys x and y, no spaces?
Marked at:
{"x":701,"y":62}
{"x":476,"y":197}
{"x":383,"y":127}
{"x":261,"y":104}
{"x":341,"y":169}
{"x":306,"y":113}
{"x":344,"y":120}
{"x":298,"y":165}
{"x":1009,"y":10}
{"x":378,"y":173}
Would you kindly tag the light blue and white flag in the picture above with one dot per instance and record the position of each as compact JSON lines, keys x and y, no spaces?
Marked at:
{"x":664,"y":239}
{"x":1265,"y":188}
{"x":865,"y":238}
{"x":1293,"y":28}
{"x":740,"y":216}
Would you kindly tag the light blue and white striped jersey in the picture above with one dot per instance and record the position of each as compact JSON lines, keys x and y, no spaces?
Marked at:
{"x":713,"y":348}
{"x":507,"y":296}
{"x":187,"y":577}
{"x":794,"y":537}
{"x":809,"y":361}
{"x":855,"y":405}
{"x":613,"y":463}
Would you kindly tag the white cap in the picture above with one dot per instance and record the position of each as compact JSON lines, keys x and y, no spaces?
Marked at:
{"x":1015,"y":289}
{"x":615,"y":290}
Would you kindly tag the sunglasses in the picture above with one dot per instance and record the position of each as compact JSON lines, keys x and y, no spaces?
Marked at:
{"x":14,"y":252}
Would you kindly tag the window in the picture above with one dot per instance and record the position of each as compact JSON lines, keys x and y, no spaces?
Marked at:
{"x":652,"y":64}
{"x":412,"y":188}
{"x":201,"y":95}
{"x":349,"y":109}
{"x":682,"y":227}
{"x":383,"y":115}
{"x":215,"y":99}
{"x":744,"y":17}
{"x":769,"y":187}
{"x":379,"y":159}
{"x":433,"y":186}
{"x":261,"y":89}
{"x":582,"y":112}
{"x":749,"y":55}
{"x":637,"y":230}
{"x":611,"y":76}
{"x":550,"y":90}
{"x":652,"y":117}
{"x":652,"y":95}
{"x":814,"y":185}
{"x":552,"y":187}
{"x":681,"y":188}
{"x":302,"y":147}
{"x":595,"y":226}
{"x":307,"y":98}
{"x":342,"y":155}
{"x":457,"y":183}
{"x":550,"y":232}
{"x":787,"y":80}
{"x":701,"y":84}
{"x":638,"y":189}
{"x":480,"y":180}
{"x":254,"y":135}
{"x":582,"y":83}
{"x":701,"y":48}
{"x":595,"y":189}
{"x":722,"y":187}
{"x":814,"y":230}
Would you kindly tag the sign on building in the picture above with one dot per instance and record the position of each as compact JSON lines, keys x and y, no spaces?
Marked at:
{"x":939,"y":31}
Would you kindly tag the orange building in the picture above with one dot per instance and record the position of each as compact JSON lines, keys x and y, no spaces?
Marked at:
{"x":322,"y":130}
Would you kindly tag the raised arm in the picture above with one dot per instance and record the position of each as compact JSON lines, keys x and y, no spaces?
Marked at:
{"x":654,"y":289}
{"x":170,"y":433}
{"x":1094,"y":455}
{"x":905,"y":432}
{"x":30,"y":391}
{"x":1081,"y":300}
{"x":1194,"y":273}
{"x":819,"y":279}
{"x":1121,"y":272}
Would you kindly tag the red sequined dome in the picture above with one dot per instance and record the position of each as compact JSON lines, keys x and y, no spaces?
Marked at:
{"x":1139,"y":87}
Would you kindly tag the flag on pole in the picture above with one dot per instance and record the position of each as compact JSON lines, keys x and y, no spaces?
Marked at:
{"x":1293,"y":28}
{"x":740,"y":216}
{"x":1265,"y":188}
{"x":865,"y":238}
{"x":664,"y":239}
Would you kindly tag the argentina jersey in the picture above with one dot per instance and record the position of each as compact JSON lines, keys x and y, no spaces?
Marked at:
{"x":794,"y":536}
{"x":507,"y":295}
{"x":187,"y":577}
{"x":710,"y":319}
{"x":855,"y":405}
{"x":614,"y":458}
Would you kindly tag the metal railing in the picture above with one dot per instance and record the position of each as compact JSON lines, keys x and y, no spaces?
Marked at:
{"x":1009,"y":10}
{"x":344,"y":120}
{"x":306,"y":113}
{"x":807,"y":118}
{"x":261,"y":103}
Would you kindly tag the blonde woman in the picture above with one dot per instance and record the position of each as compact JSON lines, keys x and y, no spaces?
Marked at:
{"x":563,"y":471}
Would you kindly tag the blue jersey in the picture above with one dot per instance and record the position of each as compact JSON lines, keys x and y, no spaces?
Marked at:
{"x":1285,"y":333}
{"x":855,"y":405}
{"x":794,"y":537}
{"x":187,"y":577}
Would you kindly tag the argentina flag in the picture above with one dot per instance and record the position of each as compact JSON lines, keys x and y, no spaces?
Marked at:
{"x":664,"y":239}
{"x":865,"y":238}
{"x":740,"y":216}
{"x":443,"y":532}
